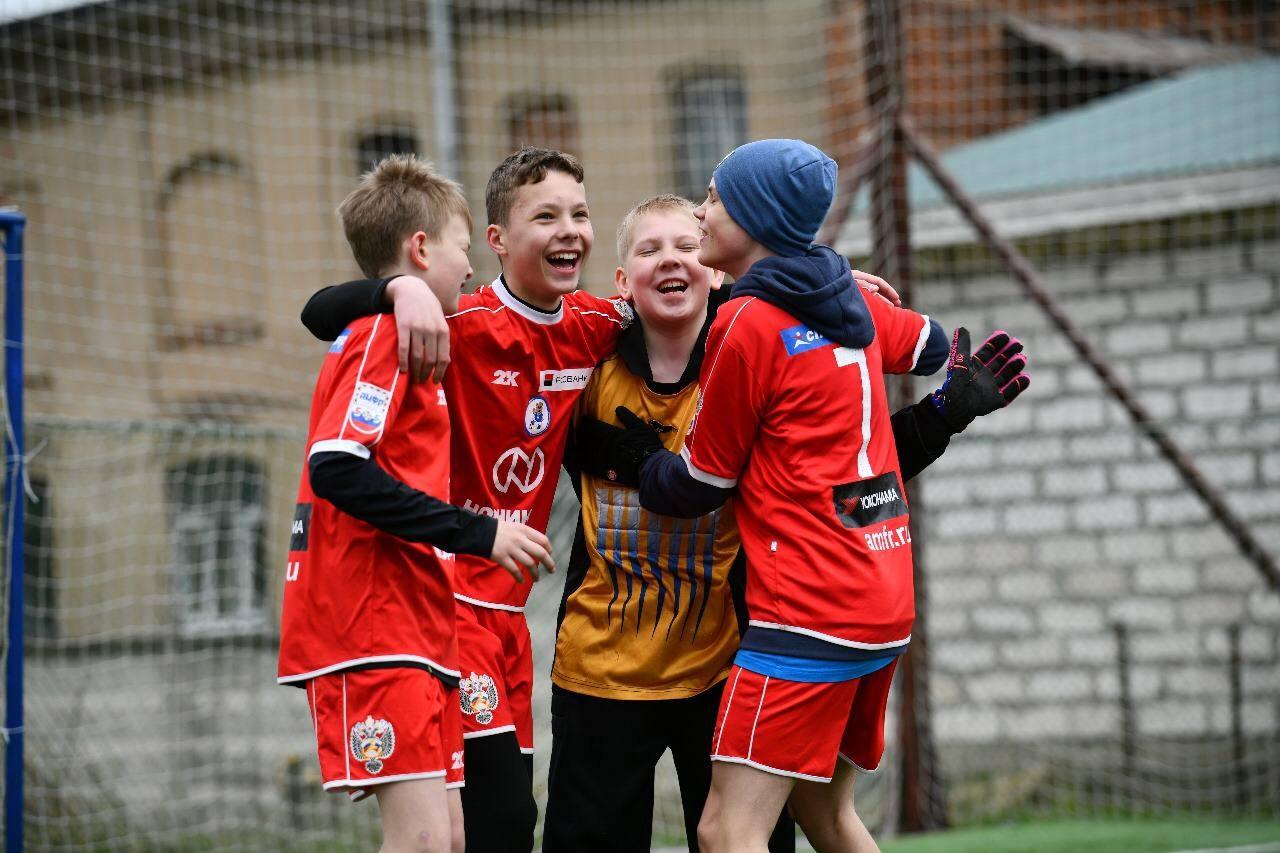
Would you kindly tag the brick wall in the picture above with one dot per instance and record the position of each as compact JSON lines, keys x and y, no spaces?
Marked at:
{"x":1048,"y":524}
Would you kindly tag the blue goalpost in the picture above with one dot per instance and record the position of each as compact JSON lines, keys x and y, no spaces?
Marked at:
{"x":12,"y":225}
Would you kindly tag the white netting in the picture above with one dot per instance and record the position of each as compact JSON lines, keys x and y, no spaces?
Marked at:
{"x":1097,"y":642}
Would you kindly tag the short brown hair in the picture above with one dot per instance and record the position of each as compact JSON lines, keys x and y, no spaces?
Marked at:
{"x":397,"y":197}
{"x":526,"y":166}
{"x":667,"y":202}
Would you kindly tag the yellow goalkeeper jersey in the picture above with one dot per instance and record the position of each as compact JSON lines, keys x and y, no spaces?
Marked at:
{"x":653,"y":617}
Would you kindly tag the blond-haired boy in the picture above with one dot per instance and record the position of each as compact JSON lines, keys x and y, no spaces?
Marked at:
{"x":368,"y":626}
{"x":530,"y":342}
{"x":648,"y":628}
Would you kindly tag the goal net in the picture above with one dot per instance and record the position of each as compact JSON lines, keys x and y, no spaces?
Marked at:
{"x":1098,"y":640}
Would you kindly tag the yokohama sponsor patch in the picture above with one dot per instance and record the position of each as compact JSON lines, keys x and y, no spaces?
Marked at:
{"x":868,"y":502}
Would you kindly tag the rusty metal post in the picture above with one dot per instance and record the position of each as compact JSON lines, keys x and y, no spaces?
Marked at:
{"x":922,"y":802}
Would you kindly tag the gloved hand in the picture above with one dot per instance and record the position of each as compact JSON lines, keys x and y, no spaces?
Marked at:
{"x":640,"y":439}
{"x":980,"y":383}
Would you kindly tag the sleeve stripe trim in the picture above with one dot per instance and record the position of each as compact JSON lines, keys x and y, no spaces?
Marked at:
{"x":346,"y":418}
{"x":724,"y":341}
{"x":597,"y":313}
{"x":704,"y":476}
{"x":920,"y":342}
{"x":338,"y":445}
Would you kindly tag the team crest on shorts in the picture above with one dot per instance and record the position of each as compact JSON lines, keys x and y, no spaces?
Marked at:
{"x":478,"y":696}
{"x":373,"y":741}
{"x":537,"y":416}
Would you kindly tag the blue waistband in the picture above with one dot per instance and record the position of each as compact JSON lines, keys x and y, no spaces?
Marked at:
{"x":812,"y":670}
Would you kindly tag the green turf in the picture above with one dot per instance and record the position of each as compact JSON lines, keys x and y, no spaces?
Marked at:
{"x":1093,"y":836}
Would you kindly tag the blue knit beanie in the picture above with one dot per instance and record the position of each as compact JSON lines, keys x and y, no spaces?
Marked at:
{"x":779,"y":191}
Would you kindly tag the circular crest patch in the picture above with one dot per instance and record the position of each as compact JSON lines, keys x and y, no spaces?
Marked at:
{"x":537,"y":416}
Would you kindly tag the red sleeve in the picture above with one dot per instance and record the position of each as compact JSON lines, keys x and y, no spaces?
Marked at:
{"x":603,"y":319}
{"x":364,"y":389}
{"x":730,"y":403}
{"x":901,"y":333}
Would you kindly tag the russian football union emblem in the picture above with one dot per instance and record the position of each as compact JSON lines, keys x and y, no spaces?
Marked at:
{"x":478,"y":696}
{"x":372,"y":741}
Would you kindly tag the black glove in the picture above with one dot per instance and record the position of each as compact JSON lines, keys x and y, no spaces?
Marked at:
{"x":613,"y":453}
{"x":980,"y":383}
{"x":640,"y":438}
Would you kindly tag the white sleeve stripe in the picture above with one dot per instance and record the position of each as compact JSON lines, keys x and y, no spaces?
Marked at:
{"x":355,"y":386}
{"x":703,"y":476}
{"x":377,"y":321}
{"x":476,"y":308}
{"x":338,"y":445}
{"x":724,"y":342}
{"x":597,"y":313}
{"x":920,"y":342}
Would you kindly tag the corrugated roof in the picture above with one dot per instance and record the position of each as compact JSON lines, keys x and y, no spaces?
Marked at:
{"x":1136,"y":51}
{"x":1205,"y":120}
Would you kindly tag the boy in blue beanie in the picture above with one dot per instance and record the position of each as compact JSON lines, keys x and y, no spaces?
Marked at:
{"x":794,"y":360}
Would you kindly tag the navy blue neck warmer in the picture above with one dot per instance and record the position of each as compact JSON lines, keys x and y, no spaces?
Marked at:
{"x":817,"y":289}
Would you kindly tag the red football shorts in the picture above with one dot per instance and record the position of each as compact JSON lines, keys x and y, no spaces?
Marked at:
{"x":795,"y":728}
{"x":496,"y":692}
{"x":375,"y":726}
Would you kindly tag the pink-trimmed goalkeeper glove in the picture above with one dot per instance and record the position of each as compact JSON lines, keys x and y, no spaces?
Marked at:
{"x":978,"y":384}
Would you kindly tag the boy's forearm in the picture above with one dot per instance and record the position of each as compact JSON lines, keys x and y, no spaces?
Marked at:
{"x":331,"y":309}
{"x":921,"y":435}
{"x":363,"y":490}
{"x":667,"y":488}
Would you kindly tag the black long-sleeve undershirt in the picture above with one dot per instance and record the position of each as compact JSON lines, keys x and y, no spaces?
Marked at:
{"x":331,"y":309}
{"x":362,"y":489}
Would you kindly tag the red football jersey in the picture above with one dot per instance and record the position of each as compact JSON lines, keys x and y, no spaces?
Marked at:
{"x":355,"y":596}
{"x":513,"y":386}
{"x":801,"y":427}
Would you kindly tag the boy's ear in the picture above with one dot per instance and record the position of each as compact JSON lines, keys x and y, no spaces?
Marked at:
{"x":717,"y":279}
{"x":620,"y":281}
{"x":496,"y":239}
{"x":418,"y":251}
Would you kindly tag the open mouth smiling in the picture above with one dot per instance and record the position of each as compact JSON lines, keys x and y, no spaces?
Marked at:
{"x":564,"y":261}
{"x":672,"y":285}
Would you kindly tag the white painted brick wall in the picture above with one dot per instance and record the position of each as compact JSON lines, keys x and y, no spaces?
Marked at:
{"x":1254,"y":291}
{"x":1050,"y":522}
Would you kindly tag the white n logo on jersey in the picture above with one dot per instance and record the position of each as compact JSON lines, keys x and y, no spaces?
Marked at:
{"x":505,"y":377}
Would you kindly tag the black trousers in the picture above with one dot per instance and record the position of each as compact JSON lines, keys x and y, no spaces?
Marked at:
{"x":603,"y":756}
{"x":498,"y":809}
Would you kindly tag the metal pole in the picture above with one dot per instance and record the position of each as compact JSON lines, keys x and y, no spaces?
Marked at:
{"x":445,"y":88}
{"x":12,"y":225}
{"x":1026,"y":276}
{"x":923,"y":805}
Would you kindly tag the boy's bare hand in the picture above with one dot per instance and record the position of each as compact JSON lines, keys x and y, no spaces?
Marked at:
{"x":423,"y":330}
{"x":518,"y":548}
{"x":875,"y":284}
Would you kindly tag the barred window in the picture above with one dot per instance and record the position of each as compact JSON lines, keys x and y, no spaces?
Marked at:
{"x":216,"y":506}
{"x":709,"y":107}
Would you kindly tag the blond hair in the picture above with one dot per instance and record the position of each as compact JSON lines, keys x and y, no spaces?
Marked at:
{"x":398,"y":197}
{"x":665,"y":203}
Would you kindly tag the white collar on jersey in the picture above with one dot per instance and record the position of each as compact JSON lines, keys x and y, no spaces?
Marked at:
{"x":524,"y":309}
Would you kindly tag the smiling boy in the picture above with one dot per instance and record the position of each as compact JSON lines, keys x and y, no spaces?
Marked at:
{"x":647,"y":628}
{"x":368,"y":626}
{"x":530,"y":341}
